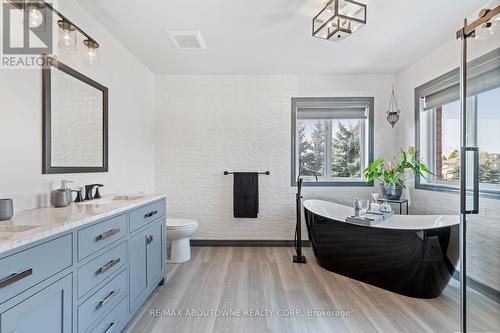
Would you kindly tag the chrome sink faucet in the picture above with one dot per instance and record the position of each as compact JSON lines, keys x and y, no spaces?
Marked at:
{"x":89,"y":189}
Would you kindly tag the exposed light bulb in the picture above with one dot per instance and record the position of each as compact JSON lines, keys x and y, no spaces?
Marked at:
{"x":92,"y":51}
{"x":35,"y":17}
{"x":67,"y":36}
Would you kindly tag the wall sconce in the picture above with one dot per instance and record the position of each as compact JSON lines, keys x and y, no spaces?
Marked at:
{"x":67,"y":36}
{"x":34,"y":10}
{"x":35,"y":16}
{"x":92,"y":50}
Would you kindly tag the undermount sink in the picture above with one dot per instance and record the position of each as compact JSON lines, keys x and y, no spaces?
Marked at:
{"x":108,"y":200}
{"x":128,"y":197}
{"x":104,"y":201}
{"x":16,"y":228}
{"x":6,"y":231}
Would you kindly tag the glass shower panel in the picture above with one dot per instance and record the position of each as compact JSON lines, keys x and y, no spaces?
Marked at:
{"x":481,"y":178}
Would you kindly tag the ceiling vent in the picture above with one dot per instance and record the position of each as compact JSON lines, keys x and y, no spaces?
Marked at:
{"x":187,"y":40}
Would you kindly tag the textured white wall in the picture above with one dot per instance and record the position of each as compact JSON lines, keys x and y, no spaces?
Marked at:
{"x":131,"y":114}
{"x":208,"y":124}
{"x":484,"y":229}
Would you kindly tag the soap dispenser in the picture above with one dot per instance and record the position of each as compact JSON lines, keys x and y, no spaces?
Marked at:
{"x":62,"y":196}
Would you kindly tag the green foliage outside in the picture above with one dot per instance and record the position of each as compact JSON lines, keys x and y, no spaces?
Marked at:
{"x":489,"y":170}
{"x":345,"y":147}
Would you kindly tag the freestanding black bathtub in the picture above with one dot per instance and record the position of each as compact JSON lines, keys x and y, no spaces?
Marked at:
{"x":412,"y":255}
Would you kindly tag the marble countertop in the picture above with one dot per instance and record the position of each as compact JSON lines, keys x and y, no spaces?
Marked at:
{"x":339,"y":213}
{"x":36,"y":224}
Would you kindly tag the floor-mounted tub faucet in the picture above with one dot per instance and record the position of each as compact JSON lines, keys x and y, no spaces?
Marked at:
{"x":299,"y":258}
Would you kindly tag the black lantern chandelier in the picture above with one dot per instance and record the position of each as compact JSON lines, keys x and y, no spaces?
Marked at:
{"x":339,"y":19}
{"x":393,"y":110}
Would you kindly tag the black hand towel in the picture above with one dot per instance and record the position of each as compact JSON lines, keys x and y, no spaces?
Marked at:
{"x":246,"y":194}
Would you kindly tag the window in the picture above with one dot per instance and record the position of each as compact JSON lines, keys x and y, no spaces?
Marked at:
{"x":332,"y":137}
{"x":438,"y":125}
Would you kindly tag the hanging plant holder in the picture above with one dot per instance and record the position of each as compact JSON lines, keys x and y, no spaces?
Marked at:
{"x":393,"y":110}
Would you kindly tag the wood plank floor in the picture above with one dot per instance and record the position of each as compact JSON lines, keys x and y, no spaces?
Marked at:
{"x":240,"y":279}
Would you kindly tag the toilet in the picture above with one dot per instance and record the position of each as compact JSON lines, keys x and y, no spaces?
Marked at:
{"x":178,"y":233}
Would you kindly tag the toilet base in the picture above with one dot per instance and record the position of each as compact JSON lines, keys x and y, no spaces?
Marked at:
{"x":180,"y":251}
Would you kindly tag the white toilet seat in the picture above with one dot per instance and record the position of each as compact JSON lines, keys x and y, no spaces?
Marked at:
{"x":176,"y":224}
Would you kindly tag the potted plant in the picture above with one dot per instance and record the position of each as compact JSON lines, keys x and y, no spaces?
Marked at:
{"x":391,"y":174}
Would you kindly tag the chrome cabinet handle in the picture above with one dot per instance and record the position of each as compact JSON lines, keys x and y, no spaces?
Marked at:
{"x":152,"y":213}
{"x":108,"y":266}
{"x":110,"y":327}
{"x":107,"y":234}
{"x":14,"y":277}
{"x":108,"y":298}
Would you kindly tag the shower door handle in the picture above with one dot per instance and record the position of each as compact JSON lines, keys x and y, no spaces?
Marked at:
{"x":464,"y":159}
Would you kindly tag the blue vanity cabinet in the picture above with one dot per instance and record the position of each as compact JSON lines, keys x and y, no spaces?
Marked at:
{"x":98,"y":236}
{"x":155,"y":253}
{"x":146,"y":214}
{"x":137,"y":268}
{"x":115,"y":321}
{"x":46,"y":311}
{"x":92,"y":278}
{"x":101,"y":268}
{"x":146,"y":262}
{"x":106,"y":298}
{"x":27,"y":268}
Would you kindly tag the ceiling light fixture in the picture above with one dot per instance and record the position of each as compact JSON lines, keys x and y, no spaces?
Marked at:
{"x":339,"y":19}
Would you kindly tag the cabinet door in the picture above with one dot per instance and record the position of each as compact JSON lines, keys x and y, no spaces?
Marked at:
{"x":137,"y":267}
{"x":48,"y":311}
{"x":155,"y":252}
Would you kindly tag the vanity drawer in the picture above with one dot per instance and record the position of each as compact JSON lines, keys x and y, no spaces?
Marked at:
{"x":101,"y":268}
{"x":100,"y":235}
{"x":115,"y":321}
{"x":23,"y":270}
{"x":143,"y":215}
{"x":103,"y":300}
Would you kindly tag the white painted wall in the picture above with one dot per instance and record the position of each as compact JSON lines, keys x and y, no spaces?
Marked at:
{"x":208,"y":124}
{"x":483,"y":242}
{"x":131,"y":114}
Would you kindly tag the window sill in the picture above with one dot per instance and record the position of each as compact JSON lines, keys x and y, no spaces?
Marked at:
{"x":334,"y":184}
{"x":491,"y":194}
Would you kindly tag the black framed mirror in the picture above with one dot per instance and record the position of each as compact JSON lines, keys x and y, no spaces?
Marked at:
{"x":75,"y":121}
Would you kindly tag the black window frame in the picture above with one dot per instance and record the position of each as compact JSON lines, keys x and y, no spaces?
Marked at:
{"x":296,"y":102}
{"x":434,"y":85}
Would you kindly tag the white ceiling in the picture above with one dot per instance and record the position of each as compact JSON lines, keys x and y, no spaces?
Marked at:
{"x":274,"y":36}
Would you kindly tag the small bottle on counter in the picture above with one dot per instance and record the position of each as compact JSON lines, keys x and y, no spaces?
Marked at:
{"x":385,"y":207}
{"x":357,"y":206}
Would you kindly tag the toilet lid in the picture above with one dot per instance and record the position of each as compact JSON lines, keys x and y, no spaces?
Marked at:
{"x":173,"y":223}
